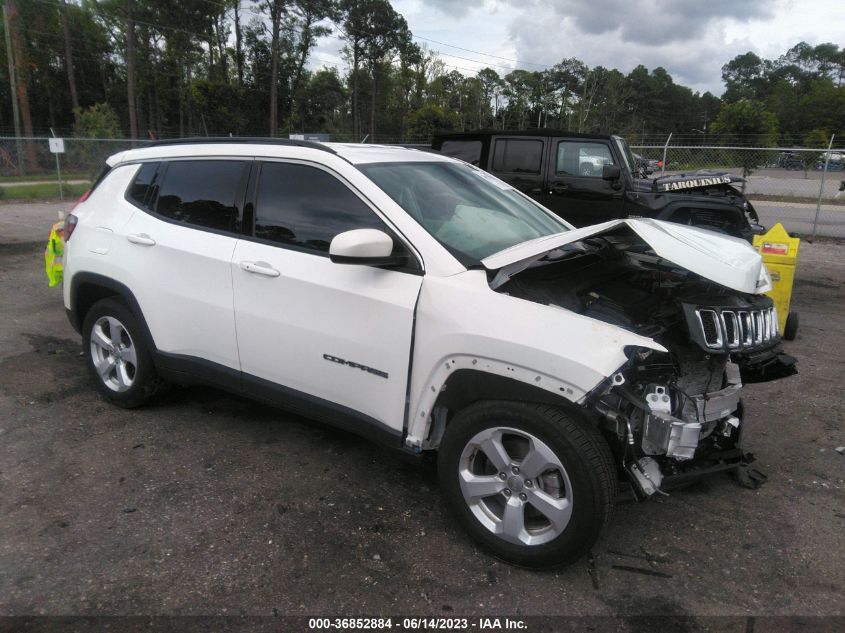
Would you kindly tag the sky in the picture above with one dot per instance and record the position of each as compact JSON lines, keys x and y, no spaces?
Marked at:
{"x":691,"y":39}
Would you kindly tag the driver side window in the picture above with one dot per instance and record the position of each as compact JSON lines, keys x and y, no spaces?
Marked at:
{"x":306,"y":207}
{"x":581,"y":158}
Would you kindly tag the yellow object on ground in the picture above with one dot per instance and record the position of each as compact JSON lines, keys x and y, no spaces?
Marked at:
{"x":780,"y":254}
{"x":54,"y":255}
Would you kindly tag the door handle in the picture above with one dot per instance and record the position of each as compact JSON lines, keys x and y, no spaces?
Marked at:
{"x":141,"y":238}
{"x":559,"y":188}
{"x":260,"y":268}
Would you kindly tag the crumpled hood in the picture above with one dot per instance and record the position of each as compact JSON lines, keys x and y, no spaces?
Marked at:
{"x":726,"y":260}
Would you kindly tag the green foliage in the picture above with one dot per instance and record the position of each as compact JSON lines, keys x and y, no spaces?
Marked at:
{"x":44,"y":191}
{"x":97,"y":121}
{"x":749,"y":121}
{"x":221,"y":106}
{"x":429,"y":119}
{"x":815,"y":138}
{"x":204,"y":67}
{"x":803,"y":88}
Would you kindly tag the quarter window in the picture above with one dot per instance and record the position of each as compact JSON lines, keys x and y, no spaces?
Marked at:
{"x":202,"y":193}
{"x":306,"y":207}
{"x":519,"y":156}
{"x":468,"y":151}
{"x":575,"y":158}
{"x":141,"y":187}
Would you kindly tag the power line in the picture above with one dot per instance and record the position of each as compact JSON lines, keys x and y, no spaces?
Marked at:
{"x":466,"y":59}
{"x":469,"y":50}
{"x":205,"y":37}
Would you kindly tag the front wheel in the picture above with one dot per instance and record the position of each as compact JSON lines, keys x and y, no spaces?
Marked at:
{"x":531,"y":484}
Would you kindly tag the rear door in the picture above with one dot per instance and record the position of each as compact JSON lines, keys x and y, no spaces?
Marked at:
{"x":519,"y":162}
{"x":332,"y":337}
{"x":576,"y":190}
{"x":177,"y":249}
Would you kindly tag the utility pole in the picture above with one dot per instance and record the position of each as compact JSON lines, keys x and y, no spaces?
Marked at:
{"x":13,"y":91}
{"x":15,"y":31}
{"x":130,"y":70}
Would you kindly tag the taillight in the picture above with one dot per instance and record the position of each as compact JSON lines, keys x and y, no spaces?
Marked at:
{"x":70,"y":224}
{"x":71,"y":220}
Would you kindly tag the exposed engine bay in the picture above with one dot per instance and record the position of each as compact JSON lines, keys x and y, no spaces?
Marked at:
{"x":674,"y":416}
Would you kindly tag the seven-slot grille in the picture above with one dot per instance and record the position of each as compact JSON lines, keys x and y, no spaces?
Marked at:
{"x":737,"y":329}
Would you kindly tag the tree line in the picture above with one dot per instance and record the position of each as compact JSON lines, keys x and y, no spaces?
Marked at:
{"x":156,"y":68}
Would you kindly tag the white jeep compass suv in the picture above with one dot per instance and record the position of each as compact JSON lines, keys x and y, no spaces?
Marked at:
{"x":420,"y":301}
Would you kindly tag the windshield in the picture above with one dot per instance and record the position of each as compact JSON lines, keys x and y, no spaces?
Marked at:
{"x":470,"y":212}
{"x":630,"y":161}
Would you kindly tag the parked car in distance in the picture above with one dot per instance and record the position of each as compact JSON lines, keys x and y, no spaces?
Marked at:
{"x":591,"y":178}
{"x":424,"y":303}
{"x":647,"y":166}
{"x":793,"y":161}
{"x":835,"y":161}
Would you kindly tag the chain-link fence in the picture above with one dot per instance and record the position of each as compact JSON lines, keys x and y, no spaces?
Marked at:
{"x":799,"y":187}
{"x":31,"y":158}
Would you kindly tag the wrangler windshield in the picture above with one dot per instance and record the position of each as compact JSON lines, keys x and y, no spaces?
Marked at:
{"x":466,"y":209}
{"x":627,"y":154}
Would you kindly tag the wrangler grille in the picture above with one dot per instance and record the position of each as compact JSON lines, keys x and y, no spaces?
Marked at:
{"x":737,"y":329}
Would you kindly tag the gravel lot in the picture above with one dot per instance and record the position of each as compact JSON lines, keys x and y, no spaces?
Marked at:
{"x":208,"y":504}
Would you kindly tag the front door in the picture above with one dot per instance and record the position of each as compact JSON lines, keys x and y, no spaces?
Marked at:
{"x":575,"y":189}
{"x":336,"y":335}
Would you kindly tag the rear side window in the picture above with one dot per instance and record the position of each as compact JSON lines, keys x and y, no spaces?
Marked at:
{"x":467,"y":151}
{"x":203,"y":193}
{"x":141,"y":188}
{"x":520,"y":156}
{"x":306,"y":207}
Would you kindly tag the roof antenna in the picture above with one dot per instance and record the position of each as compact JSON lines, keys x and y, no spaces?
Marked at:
{"x":364,"y":140}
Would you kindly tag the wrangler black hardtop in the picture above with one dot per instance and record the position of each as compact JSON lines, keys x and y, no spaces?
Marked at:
{"x":592,"y":178}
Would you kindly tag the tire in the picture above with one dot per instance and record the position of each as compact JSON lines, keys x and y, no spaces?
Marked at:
{"x":790,"y":330}
{"x":531,"y":484}
{"x":113,"y":342}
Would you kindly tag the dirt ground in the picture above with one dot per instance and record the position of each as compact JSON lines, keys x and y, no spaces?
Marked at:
{"x":208,"y":504}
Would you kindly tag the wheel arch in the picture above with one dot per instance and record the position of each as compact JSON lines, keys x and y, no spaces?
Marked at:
{"x":466,"y":386}
{"x":89,"y":288}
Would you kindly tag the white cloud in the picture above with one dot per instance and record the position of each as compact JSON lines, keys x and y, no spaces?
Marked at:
{"x":692,"y":39}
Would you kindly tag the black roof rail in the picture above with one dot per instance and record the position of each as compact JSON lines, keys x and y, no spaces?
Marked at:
{"x":256,"y":140}
{"x":524,"y":132}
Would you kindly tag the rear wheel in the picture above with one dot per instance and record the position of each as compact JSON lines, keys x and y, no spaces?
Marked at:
{"x":528,"y":482}
{"x":118,"y":358}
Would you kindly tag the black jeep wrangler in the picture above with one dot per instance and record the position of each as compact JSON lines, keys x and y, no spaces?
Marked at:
{"x":592,"y":178}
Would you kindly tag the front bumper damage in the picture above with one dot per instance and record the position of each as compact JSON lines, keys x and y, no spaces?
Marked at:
{"x":661,"y":450}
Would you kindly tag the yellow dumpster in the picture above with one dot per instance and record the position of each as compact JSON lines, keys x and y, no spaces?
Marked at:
{"x":780,"y":254}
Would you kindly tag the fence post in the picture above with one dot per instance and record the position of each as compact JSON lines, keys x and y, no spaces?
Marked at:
{"x":665,"y":147}
{"x":58,"y":170}
{"x":821,"y":188}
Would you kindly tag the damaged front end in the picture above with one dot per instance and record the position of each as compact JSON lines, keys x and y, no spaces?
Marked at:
{"x":671,"y":426}
{"x":669,"y":416}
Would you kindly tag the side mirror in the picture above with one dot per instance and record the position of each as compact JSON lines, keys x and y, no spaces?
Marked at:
{"x":367,"y":247}
{"x":610,"y":172}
